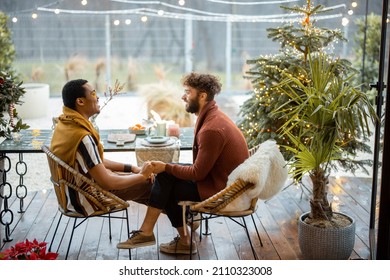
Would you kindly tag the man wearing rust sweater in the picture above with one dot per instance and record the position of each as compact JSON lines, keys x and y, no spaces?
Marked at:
{"x":219,"y":147}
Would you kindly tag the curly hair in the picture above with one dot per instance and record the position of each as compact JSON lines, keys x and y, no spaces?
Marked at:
{"x":207,"y":83}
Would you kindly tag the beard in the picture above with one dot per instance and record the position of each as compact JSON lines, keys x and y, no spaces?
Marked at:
{"x":193,"y":105}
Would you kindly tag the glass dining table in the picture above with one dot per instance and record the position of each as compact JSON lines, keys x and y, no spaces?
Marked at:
{"x":31,"y":141}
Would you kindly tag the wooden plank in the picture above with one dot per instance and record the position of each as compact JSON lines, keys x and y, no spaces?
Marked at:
{"x":45,"y":218}
{"x":23,"y":222}
{"x":267,"y":251}
{"x":283,"y":209}
{"x":78,"y":236}
{"x":133,"y":225}
{"x":94,"y":231}
{"x":240,"y":238}
{"x":275,"y":234}
{"x":149,"y":252}
{"x":222,"y":240}
{"x":205,"y":245}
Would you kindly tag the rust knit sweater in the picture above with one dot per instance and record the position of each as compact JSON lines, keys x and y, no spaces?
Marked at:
{"x":218,"y":148}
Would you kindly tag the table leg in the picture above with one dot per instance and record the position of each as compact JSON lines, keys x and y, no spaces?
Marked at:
{"x":21,"y":189}
{"x":6,"y":214}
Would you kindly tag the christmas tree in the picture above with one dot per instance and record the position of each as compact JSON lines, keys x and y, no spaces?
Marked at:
{"x":258,"y":120}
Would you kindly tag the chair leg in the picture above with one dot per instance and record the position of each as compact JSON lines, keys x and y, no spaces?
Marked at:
{"x":128,"y":229}
{"x":207,"y":226}
{"x":249,"y":238}
{"x":71,"y":237}
{"x":55,"y":232}
{"x":109,"y":226}
{"x":258,"y":235}
{"x":192,"y":233}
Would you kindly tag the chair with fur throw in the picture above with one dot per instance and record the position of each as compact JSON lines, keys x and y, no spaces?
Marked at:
{"x":261,"y":176}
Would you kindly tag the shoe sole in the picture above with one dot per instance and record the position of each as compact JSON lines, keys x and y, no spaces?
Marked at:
{"x":180,"y":252}
{"x":133,"y":246}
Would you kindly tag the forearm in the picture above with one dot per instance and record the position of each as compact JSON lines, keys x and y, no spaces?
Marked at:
{"x":110,"y":180}
{"x":118,"y":182}
{"x":120,"y":167}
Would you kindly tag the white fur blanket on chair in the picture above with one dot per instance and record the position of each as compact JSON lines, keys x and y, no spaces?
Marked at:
{"x":266,"y":169}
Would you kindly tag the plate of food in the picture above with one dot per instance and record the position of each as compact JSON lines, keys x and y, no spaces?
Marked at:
{"x":157,"y":139}
{"x":137,"y":129}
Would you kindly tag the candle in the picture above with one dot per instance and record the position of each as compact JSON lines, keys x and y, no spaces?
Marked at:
{"x":174,"y":130}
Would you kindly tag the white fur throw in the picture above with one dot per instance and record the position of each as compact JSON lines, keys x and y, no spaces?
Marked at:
{"x":266,"y":169}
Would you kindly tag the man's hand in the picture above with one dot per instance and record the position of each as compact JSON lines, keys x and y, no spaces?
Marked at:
{"x":136,"y":169}
{"x":158,"y":166}
{"x":147,"y":169}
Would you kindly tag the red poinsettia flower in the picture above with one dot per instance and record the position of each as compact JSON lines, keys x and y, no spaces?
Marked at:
{"x":28,"y":251}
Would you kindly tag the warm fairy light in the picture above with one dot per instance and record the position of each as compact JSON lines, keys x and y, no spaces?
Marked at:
{"x":116,"y":22}
{"x":354,"y":4}
{"x":350,"y":12}
{"x":181,"y":2}
{"x":84,"y":2}
{"x":344,"y":21}
{"x":160,"y":12}
{"x":14,"y":19}
{"x":128,"y":21}
{"x":56,"y":11}
{"x":34,"y":15}
{"x":144,"y":18}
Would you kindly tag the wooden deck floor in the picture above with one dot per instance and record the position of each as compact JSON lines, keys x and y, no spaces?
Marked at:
{"x":276,"y":220}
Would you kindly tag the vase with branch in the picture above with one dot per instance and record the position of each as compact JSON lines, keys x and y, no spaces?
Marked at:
{"x":108,"y":95}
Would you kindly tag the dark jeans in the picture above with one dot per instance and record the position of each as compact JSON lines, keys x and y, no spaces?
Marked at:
{"x":167,"y":191}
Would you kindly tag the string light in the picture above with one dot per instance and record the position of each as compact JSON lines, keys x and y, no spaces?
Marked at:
{"x":252,"y":3}
{"x":34,"y":15}
{"x":225,"y":17}
{"x":182,"y":2}
{"x":344,"y":21}
{"x":14,"y":19}
{"x":222,"y":18}
{"x":84,"y":2}
{"x":354,"y":4}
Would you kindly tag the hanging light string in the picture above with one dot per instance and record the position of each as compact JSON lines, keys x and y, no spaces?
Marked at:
{"x":252,"y":3}
{"x":155,"y":13}
{"x":218,"y":2}
{"x":200,"y":16}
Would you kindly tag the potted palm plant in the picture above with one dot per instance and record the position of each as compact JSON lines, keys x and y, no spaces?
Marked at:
{"x":329,"y":113}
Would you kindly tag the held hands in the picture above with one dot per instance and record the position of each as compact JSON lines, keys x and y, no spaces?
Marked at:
{"x":136,"y":169}
{"x":149,"y":169}
{"x":158,"y":166}
{"x":146,"y":170}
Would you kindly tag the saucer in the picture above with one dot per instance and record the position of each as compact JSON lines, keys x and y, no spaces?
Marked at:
{"x":157,"y":139}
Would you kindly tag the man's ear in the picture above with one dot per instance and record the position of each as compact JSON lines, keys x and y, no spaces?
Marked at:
{"x":79,"y":101}
{"x":203,"y":95}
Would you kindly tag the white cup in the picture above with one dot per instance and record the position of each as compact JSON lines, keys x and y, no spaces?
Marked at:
{"x":161,"y":129}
